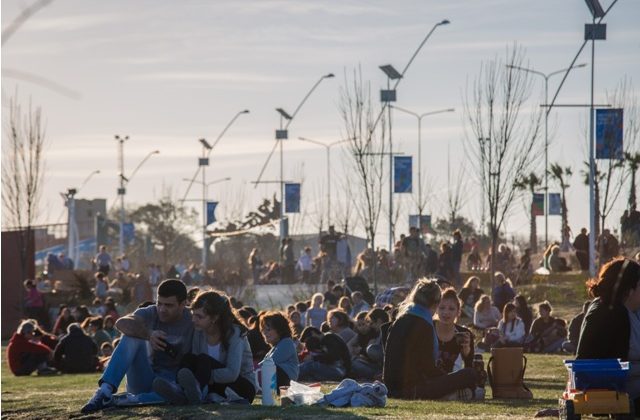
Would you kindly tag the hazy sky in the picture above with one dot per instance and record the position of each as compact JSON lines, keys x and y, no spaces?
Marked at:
{"x":167,"y":73}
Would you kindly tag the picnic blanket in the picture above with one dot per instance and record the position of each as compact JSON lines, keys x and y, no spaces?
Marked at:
{"x":350,"y":393}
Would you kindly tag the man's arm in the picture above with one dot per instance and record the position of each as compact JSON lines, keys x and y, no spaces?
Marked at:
{"x":133,"y":326}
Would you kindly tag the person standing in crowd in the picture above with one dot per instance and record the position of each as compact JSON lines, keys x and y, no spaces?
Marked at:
{"x":102,"y":285}
{"x":581,"y":245}
{"x":445,"y":262}
{"x":76,"y":352}
{"x":305,"y":265}
{"x":220,"y":355}
{"x":256,"y":265}
{"x":277,"y":332}
{"x":608,"y":247}
{"x":329,"y":246}
{"x":412,"y":349}
{"x":66,"y":262}
{"x":166,"y":328}
{"x":103,"y":260}
{"x":34,"y":303}
{"x":343,"y":255}
{"x":24,"y":355}
{"x":457,"y":249}
{"x":511,"y":328}
{"x":613,"y":314}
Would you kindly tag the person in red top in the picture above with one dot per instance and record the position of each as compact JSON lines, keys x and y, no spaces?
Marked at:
{"x":24,"y":355}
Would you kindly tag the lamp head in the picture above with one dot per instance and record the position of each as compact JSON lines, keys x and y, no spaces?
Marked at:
{"x":205,"y":144}
{"x":246,"y":111}
{"x":444,"y":22}
{"x":284,"y":113}
{"x":155,"y":152}
{"x":328,"y":76}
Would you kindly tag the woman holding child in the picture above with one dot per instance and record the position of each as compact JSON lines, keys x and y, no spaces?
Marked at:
{"x":410,"y":365}
{"x":221,"y":357}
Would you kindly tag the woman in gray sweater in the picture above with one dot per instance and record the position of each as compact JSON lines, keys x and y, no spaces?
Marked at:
{"x":276,"y":330}
{"x":220,"y":355}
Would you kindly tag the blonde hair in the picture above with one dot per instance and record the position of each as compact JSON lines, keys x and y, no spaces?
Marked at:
{"x":470,"y":279}
{"x":482,"y":301}
{"x":316,"y":296}
{"x":425,"y":292}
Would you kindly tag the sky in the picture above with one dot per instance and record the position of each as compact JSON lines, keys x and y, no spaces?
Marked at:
{"x":167,"y":73}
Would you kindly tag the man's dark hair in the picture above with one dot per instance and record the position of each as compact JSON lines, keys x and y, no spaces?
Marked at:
{"x":308,"y":332}
{"x":301,"y":306}
{"x":377,"y":314}
{"x":172,"y":287}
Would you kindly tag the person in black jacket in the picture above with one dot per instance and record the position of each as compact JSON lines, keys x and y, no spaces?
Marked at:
{"x":329,"y":358}
{"x":611,"y":328}
{"x":410,"y":369}
{"x":76,"y":352}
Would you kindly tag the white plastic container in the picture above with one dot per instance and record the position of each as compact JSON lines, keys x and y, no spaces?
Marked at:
{"x":269,"y":382}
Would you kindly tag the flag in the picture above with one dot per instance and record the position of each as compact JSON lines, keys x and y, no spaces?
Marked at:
{"x":402,"y":168}
{"x":537,"y":205}
{"x":609,"y":134}
{"x":211,"y":212}
{"x":292,"y":198}
{"x":555,"y":204}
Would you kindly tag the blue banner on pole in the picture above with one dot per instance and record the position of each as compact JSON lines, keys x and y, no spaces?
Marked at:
{"x":555,"y":204}
{"x":609,"y":124}
{"x":129,"y":232}
{"x":292,"y":198}
{"x":211,"y":211}
{"x":537,"y":204}
{"x":402,"y":174}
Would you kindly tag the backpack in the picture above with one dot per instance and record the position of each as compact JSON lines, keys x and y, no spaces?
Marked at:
{"x":505,"y":370}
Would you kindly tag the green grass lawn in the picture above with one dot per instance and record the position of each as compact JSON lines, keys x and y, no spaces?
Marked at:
{"x":62,"y":396}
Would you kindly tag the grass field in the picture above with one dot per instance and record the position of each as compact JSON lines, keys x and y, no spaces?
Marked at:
{"x":62,"y":396}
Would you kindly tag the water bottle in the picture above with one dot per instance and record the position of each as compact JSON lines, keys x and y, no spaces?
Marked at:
{"x":269,"y":382}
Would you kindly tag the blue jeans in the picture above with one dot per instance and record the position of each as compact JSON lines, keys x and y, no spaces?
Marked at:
{"x":316,"y":371}
{"x":130,"y":358}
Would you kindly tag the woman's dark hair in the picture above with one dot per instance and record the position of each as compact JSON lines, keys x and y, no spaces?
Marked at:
{"x":546,"y":306}
{"x":278,"y":322}
{"x":451,"y":294}
{"x":521,"y":301}
{"x":324,"y":327}
{"x":109,"y":318}
{"x":377,"y":314}
{"x":342,"y":317}
{"x":308,"y":332}
{"x":615,"y":280}
{"x":509,"y":307}
{"x":217,"y":304}
{"x":173,"y":287}
{"x":301,"y":306}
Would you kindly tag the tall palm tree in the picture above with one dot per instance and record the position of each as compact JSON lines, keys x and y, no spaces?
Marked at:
{"x":529,"y":183}
{"x":633,"y":162}
{"x":561,"y":176}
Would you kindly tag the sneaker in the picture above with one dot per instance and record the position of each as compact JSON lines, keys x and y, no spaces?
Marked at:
{"x":47,"y":371}
{"x":170,"y":391}
{"x":465,"y":394}
{"x":126,"y":399}
{"x":99,"y":401}
{"x":190,"y":385}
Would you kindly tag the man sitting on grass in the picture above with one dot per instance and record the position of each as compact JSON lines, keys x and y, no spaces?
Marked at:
{"x":167,"y":327}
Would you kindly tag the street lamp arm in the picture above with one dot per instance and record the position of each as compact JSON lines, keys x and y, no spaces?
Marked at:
{"x":227,"y":178}
{"x":426,"y":38}
{"x":246,"y":111}
{"x":326,"y":76}
{"x":155,"y":152}
{"x":539,"y":73}
{"x":406,"y":111}
{"x":440,"y":111}
{"x":97,"y":171}
{"x":338,"y":142}
{"x":567,"y":69}
{"x":313,"y":141}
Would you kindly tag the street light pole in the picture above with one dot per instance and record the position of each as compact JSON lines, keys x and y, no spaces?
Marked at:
{"x":328,"y":150}
{"x":546,"y":78}
{"x":419,"y":117}
{"x":203,"y":162}
{"x":121,"y":190}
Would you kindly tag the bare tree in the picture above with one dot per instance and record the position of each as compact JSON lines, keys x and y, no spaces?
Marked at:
{"x":345,"y":211}
{"x":22,"y":174}
{"x":561,"y":176}
{"x":456,"y":196}
{"x":367,"y":147}
{"x":614,"y":176}
{"x":495,"y":110}
{"x":530,"y":183}
{"x":633,"y":162}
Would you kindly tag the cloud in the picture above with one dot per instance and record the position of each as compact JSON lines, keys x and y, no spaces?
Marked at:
{"x":226,"y":77}
{"x":72,"y":23}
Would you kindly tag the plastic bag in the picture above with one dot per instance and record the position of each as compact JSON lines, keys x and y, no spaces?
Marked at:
{"x":301,"y":394}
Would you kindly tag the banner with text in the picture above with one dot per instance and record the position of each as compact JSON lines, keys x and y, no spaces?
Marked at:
{"x":555,"y":204}
{"x":609,"y":134}
{"x":292,"y":198}
{"x":402,"y":173}
{"x":211,"y":212}
{"x":537,"y":206}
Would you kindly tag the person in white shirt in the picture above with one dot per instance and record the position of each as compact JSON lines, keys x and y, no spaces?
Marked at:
{"x":510,"y":328}
{"x":305,"y":263}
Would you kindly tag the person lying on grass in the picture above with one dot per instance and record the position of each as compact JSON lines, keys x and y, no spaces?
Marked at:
{"x":220,"y":356}
{"x":277,"y":331}
{"x":326,"y":356}
{"x":166,"y":326}
{"x":410,"y":365}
